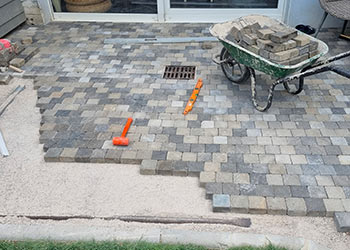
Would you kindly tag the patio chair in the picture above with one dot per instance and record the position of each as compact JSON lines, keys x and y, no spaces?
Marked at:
{"x":339,"y":9}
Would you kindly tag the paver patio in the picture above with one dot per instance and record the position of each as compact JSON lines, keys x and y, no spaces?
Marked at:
{"x":293,"y":159}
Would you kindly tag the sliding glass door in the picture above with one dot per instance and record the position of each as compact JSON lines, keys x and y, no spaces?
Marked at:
{"x":208,"y":11}
{"x":220,"y":10}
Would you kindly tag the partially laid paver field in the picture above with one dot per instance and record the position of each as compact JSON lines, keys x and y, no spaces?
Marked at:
{"x":293,"y":159}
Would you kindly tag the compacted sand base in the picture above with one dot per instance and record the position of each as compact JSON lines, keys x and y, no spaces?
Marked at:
{"x":29,"y":186}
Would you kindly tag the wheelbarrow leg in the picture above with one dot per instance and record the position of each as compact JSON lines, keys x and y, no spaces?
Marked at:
{"x":253,"y":88}
{"x":300,"y":85}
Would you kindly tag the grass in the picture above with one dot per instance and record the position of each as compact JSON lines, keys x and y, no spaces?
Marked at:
{"x":109,"y":245}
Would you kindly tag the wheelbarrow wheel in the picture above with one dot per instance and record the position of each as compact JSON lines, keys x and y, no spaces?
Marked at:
{"x":234,"y":71}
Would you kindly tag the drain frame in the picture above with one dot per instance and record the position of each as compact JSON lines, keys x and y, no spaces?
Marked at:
{"x":179,"y":72}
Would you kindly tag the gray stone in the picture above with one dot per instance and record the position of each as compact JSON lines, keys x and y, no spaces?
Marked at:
{"x":17,"y":62}
{"x":213,"y":188}
{"x":317,"y":192}
{"x":5,"y":79}
{"x":315,"y":207}
{"x":221,"y":203}
{"x":230,"y":188}
{"x":342,"y":221}
{"x":148,"y":167}
{"x":296,"y":206}
{"x":276,"y":205}
{"x":53,"y":154}
{"x":300,"y":191}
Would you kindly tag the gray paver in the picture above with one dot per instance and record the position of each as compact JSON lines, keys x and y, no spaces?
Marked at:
{"x":315,"y":207}
{"x":276,"y":154}
{"x":148,"y":167}
{"x":221,"y":203}
{"x":296,"y":206}
{"x":342,"y":221}
{"x":276,"y":205}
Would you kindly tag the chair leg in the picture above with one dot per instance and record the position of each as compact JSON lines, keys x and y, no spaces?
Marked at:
{"x":322,"y":21}
{"x":342,"y":35}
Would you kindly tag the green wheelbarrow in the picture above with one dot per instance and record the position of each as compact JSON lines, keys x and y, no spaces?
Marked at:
{"x":239,"y":64}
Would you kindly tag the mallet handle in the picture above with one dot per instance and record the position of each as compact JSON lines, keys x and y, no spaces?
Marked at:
{"x":127,"y":126}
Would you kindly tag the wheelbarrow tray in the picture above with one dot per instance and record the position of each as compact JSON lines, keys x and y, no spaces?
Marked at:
{"x":250,"y":59}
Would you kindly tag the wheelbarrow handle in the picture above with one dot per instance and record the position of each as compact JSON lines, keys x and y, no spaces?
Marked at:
{"x":340,"y":71}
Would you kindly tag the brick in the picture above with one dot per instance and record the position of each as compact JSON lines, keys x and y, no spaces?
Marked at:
{"x":213,"y":188}
{"x":221,"y":203}
{"x":298,"y":59}
{"x":276,"y":205}
{"x":206,"y":177}
{"x":220,"y":140}
{"x":239,"y":204}
{"x":332,"y":206}
{"x":241,"y":178}
{"x":148,"y":167}
{"x":180,"y":168}
{"x":324,"y":180}
{"x":315,"y":207}
{"x":342,"y":221}
{"x":230,"y":188}
{"x":17,"y":62}
{"x":5,"y":79}
{"x":284,"y":55}
{"x":264,"y":33}
{"x":335,"y":192}
{"x":317,"y":192}
{"x":300,"y":191}
{"x":346,"y":204}
{"x":296,"y":206}
{"x":274,"y":179}
{"x":27,"y":40}
{"x":291,"y":44}
{"x":291,"y":180}
{"x":165,"y":167}
{"x":301,"y":40}
{"x":53,"y":154}
{"x":224,"y":177}
{"x":250,"y":39}
{"x":257,"y":205}
{"x":283,"y":36}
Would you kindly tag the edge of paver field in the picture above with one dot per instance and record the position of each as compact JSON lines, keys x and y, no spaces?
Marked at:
{"x":155,"y":235}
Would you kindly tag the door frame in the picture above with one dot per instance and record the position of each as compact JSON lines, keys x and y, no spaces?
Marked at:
{"x":165,"y":14}
{"x":177,"y":15}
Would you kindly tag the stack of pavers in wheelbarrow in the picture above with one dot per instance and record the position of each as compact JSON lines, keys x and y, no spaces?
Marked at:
{"x":279,"y":44}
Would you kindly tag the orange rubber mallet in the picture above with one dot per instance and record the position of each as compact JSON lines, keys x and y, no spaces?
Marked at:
{"x":193,"y":97}
{"x":122,"y":140}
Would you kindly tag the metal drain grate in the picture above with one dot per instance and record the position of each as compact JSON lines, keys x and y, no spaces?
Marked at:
{"x":179,"y":72}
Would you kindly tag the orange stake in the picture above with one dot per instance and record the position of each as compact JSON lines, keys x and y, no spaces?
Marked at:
{"x":193,"y":97}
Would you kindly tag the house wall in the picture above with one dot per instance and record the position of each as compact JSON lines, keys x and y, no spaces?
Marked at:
{"x":32,"y":11}
{"x":299,"y":12}
{"x":309,"y":12}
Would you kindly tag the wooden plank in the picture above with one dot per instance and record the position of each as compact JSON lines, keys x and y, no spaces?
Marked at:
{"x":11,"y":24}
{"x":10,"y":11}
{"x":4,"y":2}
{"x":3,"y":148}
{"x":11,"y":97}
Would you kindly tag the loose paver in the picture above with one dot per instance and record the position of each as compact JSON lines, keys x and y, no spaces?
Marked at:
{"x":342,"y":221}
{"x":293,"y":159}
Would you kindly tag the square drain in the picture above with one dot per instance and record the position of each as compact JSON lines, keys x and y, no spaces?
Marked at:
{"x":179,"y":72}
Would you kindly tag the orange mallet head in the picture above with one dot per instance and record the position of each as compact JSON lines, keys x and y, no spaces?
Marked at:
{"x":122,"y":140}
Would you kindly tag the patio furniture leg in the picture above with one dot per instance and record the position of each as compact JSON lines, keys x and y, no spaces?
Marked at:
{"x":322,"y":21}
{"x":342,"y":35}
{"x":253,"y":88}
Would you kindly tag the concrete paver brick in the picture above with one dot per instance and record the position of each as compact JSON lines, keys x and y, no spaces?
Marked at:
{"x":274,"y":179}
{"x":206,"y":177}
{"x":332,"y":206}
{"x":276,"y":205}
{"x":296,"y":206}
{"x":221,"y":203}
{"x":257,"y":205}
{"x":148,"y":167}
{"x":224,"y":177}
{"x":241,"y":178}
{"x":335,"y":192}
{"x":324,"y":180}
